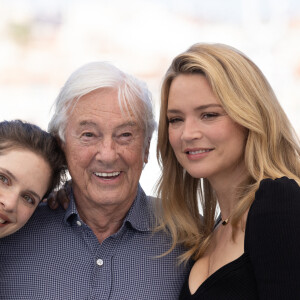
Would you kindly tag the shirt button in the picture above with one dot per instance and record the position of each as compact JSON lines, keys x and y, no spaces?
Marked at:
{"x":78,"y":223}
{"x":99,"y":262}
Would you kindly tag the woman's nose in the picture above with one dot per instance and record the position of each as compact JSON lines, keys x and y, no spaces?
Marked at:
{"x":191,"y":130}
{"x":9,"y":201}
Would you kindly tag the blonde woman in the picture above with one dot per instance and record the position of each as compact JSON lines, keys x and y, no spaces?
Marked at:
{"x":224,"y":141}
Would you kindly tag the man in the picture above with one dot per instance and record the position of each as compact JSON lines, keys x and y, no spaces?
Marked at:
{"x":103,"y":245}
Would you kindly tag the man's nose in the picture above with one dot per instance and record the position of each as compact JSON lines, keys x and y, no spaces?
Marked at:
{"x":191,"y":130}
{"x":9,"y":201}
{"x":107,"y":150}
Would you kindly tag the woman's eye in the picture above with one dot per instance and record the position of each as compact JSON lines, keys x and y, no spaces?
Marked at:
{"x":4,"y":179}
{"x":30,"y":200}
{"x":209,"y":115}
{"x":174,"y":120}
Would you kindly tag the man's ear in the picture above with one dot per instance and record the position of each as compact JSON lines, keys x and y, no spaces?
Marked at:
{"x":146,"y":151}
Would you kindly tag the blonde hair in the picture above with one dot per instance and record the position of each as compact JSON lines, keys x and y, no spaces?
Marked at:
{"x":271,"y":151}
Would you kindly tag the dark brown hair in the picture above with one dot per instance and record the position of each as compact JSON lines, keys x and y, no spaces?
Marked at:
{"x":17,"y":134}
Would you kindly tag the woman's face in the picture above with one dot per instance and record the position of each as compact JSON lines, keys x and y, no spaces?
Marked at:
{"x":206,"y":141}
{"x":24,"y":179}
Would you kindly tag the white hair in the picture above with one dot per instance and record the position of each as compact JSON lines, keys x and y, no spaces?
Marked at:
{"x":98,"y":75}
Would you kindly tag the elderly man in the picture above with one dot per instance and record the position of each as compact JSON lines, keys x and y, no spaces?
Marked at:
{"x":103,"y":246}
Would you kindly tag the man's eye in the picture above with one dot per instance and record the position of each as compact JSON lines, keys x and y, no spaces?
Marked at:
{"x":88,"y":134}
{"x":4,"y":179}
{"x":30,"y":200}
{"x":126,"y":134}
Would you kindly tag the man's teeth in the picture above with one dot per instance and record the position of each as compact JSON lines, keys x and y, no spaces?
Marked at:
{"x":112,"y":174}
{"x":199,"y":151}
{"x":2,"y":221}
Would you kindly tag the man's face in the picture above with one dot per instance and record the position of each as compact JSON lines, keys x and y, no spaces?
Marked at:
{"x":104,"y":150}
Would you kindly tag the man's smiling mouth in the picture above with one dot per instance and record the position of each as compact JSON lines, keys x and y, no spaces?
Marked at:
{"x":105,"y":175}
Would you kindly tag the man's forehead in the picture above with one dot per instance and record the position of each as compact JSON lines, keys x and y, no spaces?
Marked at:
{"x":102,"y":108}
{"x":105,"y":101}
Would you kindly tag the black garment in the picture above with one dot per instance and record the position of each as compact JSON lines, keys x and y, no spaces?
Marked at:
{"x":270,"y":265}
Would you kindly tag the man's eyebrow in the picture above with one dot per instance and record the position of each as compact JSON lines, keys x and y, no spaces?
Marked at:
{"x":127,"y":124}
{"x":123,"y":125}
{"x":85,"y":122}
{"x":201,"y":107}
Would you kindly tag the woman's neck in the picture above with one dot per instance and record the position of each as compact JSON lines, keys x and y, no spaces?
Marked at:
{"x":227,"y":191}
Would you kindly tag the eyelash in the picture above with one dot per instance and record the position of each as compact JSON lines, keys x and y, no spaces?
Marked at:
{"x":4,"y":179}
{"x":204,"y":116}
{"x":174,"y":120}
{"x":88,"y":134}
{"x":126,"y":134}
{"x":209,"y":115}
{"x":28,"y":197}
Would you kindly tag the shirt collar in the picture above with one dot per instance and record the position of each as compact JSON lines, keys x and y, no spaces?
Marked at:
{"x":71,"y":210}
{"x":140,"y":215}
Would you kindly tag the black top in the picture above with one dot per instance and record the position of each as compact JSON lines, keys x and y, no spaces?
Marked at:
{"x":270,"y":265}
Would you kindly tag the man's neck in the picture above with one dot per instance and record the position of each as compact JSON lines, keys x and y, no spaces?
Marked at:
{"x":103,"y":222}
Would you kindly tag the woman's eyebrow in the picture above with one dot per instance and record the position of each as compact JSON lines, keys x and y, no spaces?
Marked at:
{"x":9,"y":173}
{"x":201,"y":107}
